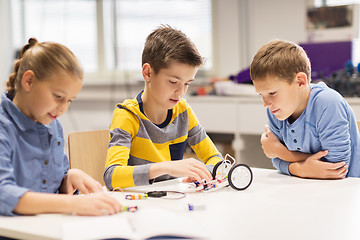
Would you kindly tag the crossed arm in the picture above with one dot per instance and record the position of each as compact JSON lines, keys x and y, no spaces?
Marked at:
{"x":302,"y":164}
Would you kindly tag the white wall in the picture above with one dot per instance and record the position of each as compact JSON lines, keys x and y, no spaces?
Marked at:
{"x":243,"y":26}
{"x":6,"y":55}
{"x":227,"y":39}
{"x":268,"y":20}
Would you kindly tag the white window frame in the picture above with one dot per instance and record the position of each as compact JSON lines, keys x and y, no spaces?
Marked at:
{"x":230,"y":50}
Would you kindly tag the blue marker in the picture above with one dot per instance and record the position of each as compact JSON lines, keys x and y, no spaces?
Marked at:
{"x":196,"y":207}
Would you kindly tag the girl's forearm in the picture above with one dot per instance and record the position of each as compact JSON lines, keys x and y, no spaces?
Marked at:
{"x":36,"y":203}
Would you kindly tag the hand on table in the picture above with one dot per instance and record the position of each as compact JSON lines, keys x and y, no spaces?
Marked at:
{"x":95,"y":204}
{"x":78,"y":179}
{"x":314,"y":167}
{"x":189,"y":168}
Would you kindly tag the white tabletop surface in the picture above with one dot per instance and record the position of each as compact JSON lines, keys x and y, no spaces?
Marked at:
{"x":275,"y":206}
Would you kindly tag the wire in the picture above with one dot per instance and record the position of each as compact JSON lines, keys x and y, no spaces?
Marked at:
{"x":171,"y":195}
{"x":178,"y":195}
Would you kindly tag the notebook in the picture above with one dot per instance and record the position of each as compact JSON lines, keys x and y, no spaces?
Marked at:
{"x":148,"y":223}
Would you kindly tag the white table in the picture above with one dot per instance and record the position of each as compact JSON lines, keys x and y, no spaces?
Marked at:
{"x":275,"y":206}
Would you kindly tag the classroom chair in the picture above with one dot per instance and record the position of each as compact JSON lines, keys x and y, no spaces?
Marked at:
{"x":87,"y":151}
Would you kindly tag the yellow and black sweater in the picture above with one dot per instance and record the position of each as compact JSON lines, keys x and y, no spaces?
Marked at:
{"x":136,"y":143}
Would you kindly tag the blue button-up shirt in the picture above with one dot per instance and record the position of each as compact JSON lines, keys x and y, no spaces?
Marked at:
{"x":327,"y":123}
{"x":32,"y":156}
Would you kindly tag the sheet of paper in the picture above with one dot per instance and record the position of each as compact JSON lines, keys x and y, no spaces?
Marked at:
{"x":156,"y":222}
{"x":143,"y":224}
{"x":87,"y":228}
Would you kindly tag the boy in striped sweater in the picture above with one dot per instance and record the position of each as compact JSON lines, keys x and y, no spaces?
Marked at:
{"x":148,"y":134}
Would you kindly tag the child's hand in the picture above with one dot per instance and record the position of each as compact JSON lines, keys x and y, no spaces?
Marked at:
{"x":270,"y":143}
{"x":192,"y":169}
{"x":189,"y":180}
{"x":78,"y":179}
{"x":96,"y":204}
{"x":314,"y":167}
{"x":189,"y":168}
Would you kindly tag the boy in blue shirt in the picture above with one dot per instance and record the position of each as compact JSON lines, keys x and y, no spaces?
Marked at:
{"x":312,"y":130}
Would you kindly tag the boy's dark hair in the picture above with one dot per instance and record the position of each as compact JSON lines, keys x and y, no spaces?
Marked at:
{"x":166,"y":45}
{"x":281,"y":59}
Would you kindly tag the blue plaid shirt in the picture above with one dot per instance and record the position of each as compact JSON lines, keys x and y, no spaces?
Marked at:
{"x":327,"y":123}
{"x":32,"y":156}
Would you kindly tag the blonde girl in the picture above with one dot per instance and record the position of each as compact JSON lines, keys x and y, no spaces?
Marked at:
{"x":33,"y":166}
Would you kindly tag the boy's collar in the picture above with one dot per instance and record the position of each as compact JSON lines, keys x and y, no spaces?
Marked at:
{"x":168,"y":117}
